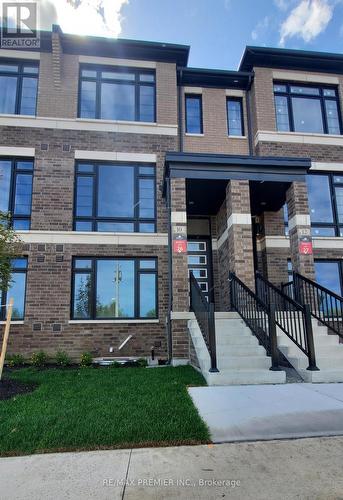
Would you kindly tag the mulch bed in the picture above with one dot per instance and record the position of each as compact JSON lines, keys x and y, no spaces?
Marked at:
{"x":10,"y":388}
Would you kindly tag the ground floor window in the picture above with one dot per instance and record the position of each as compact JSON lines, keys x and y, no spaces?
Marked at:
{"x":112,"y":288}
{"x":329,"y":274}
{"x":16,"y":290}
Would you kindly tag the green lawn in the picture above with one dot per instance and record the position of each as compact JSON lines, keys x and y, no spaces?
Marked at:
{"x":89,"y":408}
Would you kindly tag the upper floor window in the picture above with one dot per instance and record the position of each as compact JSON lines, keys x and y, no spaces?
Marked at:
{"x":113,"y":288}
{"x":115,"y":198}
{"x":235,"y":116}
{"x":18,"y":88}
{"x":118,"y":94}
{"x":16,"y":290}
{"x":16,"y":190}
{"x":325,"y":194}
{"x":193,"y":114}
{"x":312,"y":109}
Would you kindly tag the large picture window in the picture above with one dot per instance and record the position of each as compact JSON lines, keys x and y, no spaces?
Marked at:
{"x":18,"y":88}
{"x":16,"y":290}
{"x":114,"y":288}
{"x":117,"y":94}
{"x":329,"y":274}
{"x":305,"y":108}
{"x":115,"y":198}
{"x":16,"y":190}
{"x":325,"y":194}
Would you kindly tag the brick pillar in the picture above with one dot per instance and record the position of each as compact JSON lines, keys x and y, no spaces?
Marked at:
{"x":240,"y":245}
{"x":180,"y":284}
{"x":299,"y":226}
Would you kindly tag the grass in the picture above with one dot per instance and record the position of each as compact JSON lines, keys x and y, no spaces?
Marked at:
{"x":89,"y":408}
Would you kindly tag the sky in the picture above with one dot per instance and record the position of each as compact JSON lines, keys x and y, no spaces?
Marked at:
{"x":216,"y":30}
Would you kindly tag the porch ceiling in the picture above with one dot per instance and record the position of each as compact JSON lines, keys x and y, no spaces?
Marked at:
{"x":205,"y":197}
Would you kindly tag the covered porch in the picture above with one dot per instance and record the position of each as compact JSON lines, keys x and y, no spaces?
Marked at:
{"x":226,"y":207}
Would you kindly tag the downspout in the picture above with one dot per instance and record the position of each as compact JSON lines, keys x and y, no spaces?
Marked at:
{"x":249,"y":118}
{"x":179,"y":115}
{"x":170,"y":274}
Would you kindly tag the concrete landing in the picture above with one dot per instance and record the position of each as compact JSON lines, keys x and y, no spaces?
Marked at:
{"x":244,"y":413}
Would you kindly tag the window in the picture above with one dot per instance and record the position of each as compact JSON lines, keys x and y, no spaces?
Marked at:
{"x":117,"y":94}
{"x":16,"y":190}
{"x":115,"y":198}
{"x":235,"y":116}
{"x":302,"y":108}
{"x":114,"y":288}
{"x":329,"y":274}
{"x":18,"y":88}
{"x":325,"y":194}
{"x":16,"y":290}
{"x":193,"y":106}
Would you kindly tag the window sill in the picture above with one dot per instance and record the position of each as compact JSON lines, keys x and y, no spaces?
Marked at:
{"x":237,"y":136}
{"x":111,"y":321}
{"x":189,"y":134}
{"x":298,"y":137}
{"x":14,"y":322}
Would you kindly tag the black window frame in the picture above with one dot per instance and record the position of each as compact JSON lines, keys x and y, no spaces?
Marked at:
{"x":20,"y":74}
{"x":288,"y":94}
{"x":93,"y":273}
{"x":4,"y":294}
{"x":13,"y":183}
{"x":94,"y":219}
{"x":116,"y":70}
{"x":336,"y":225}
{"x":340,"y":268}
{"x":240,"y":101}
{"x":197,"y":97}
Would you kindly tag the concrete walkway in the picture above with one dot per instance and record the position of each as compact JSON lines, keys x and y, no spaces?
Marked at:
{"x":256,"y":412}
{"x":280,"y":470}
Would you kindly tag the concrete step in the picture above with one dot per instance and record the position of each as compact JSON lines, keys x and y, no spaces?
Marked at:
{"x":245,"y":377}
{"x":240,"y":350}
{"x":319,"y":340}
{"x":322,"y":376}
{"x":323,"y":363}
{"x":243,"y":362}
{"x":236,"y":340}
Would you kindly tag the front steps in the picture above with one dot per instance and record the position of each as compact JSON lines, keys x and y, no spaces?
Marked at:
{"x":240,"y":358}
{"x":329,"y":355}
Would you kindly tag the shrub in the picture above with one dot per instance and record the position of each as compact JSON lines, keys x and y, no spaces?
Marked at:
{"x":142,"y":362}
{"x":62,"y":358}
{"x":15,"y":360}
{"x":115,"y":364}
{"x":86,"y":359}
{"x":39,"y":359}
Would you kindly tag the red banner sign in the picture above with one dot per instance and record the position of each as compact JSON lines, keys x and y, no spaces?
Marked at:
{"x":305,"y":247}
{"x":180,"y":246}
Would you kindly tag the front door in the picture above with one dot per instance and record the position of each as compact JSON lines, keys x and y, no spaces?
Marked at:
{"x":200,"y":263}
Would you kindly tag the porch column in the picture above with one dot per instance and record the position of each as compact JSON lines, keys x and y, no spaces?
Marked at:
{"x":300,"y":229}
{"x":180,"y":288}
{"x":240,"y":247}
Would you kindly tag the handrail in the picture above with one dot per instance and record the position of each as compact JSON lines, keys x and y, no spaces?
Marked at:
{"x":259,"y":317}
{"x":325,"y":305}
{"x":204,"y":313}
{"x":292,"y":318}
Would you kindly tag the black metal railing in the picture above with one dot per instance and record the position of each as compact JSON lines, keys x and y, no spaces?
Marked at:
{"x":293,"y":318}
{"x":204,"y":313}
{"x":288,"y":289}
{"x":325,"y":305}
{"x":257,"y":315}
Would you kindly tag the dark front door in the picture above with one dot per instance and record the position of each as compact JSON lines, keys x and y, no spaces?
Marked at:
{"x":200,"y":263}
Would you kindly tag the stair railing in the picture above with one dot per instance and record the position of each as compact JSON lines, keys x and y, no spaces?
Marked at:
{"x":325,"y":305}
{"x":204,"y":313}
{"x":293,"y":318}
{"x":257,"y":315}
